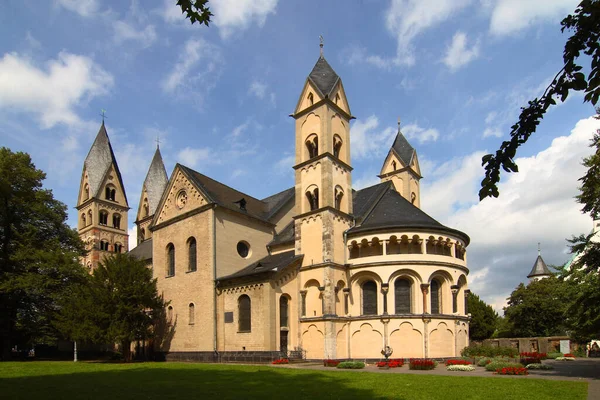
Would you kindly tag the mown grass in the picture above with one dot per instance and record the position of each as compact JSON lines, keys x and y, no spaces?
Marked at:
{"x":68,"y":380}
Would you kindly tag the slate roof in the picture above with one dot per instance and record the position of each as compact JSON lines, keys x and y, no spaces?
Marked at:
{"x":227,"y":197}
{"x":271,"y":263}
{"x":384,"y":208}
{"x":404,"y":150}
{"x":98,"y":161}
{"x":323,"y":76}
{"x":143,"y":251}
{"x":539,"y":268}
{"x":287,"y":235}
{"x":156,"y":181}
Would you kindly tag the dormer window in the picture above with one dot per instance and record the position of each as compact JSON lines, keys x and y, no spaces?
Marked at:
{"x":311,"y":99}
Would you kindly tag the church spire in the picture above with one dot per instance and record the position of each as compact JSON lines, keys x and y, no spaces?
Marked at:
{"x":152,"y":191}
{"x":540,"y":269}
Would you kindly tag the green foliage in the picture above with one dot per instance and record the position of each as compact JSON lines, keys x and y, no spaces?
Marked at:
{"x":196,"y":11}
{"x":119,"y":304}
{"x":552,"y":356}
{"x":483,"y":318}
{"x":489,"y":351}
{"x":38,"y":254}
{"x":482,"y":362}
{"x":351,"y":365}
{"x":498,"y":364}
{"x":539,"y":308}
{"x":585,"y":25}
{"x":503,"y":328}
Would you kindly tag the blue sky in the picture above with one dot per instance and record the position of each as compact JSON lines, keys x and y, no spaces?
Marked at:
{"x":455,"y":71}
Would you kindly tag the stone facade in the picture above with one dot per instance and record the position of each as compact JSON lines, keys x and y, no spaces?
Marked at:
{"x":318,"y":270}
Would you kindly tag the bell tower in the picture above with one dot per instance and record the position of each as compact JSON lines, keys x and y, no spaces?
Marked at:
{"x":152,"y":191}
{"x":102,"y":203}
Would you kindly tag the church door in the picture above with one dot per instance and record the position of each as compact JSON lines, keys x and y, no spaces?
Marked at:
{"x":283,"y":342}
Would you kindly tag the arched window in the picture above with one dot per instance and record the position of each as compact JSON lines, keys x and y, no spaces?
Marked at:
{"x":402,"y":296}
{"x":311,"y":99}
{"x":192,"y":254}
{"x":283,"y":311}
{"x":142,"y":235}
{"x":109,"y":193}
{"x":170,"y":314}
{"x":339,"y":194}
{"x":103,"y":219}
{"x":413,"y":197}
{"x":354,"y":250}
{"x":90,"y":217}
{"x":86,"y":192}
{"x":313,"y":198}
{"x":191,"y":314}
{"x":244,"y":314}
{"x":337,"y":98}
{"x":83,"y":221}
{"x":393,"y":165}
{"x":435,"y":297}
{"x":337,"y":146}
{"x":145,"y":208}
{"x":369,"y":298}
{"x":170,"y":259}
{"x":312,"y":145}
{"x":104,"y":245}
{"x":118,"y":247}
{"x":117,"y":221}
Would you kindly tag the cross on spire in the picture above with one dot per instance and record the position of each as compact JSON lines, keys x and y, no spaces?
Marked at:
{"x":158,"y":141}
{"x":103,"y":113}
{"x":398,"y":123}
{"x":321,"y":44}
{"x":539,"y":249}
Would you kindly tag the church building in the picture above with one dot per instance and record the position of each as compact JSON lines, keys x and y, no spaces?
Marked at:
{"x":319,"y":270}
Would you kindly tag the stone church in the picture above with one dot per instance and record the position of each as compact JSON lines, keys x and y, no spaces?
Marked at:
{"x":319,"y":270}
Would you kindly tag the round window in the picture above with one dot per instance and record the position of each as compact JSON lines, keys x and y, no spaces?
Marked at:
{"x":243,"y":249}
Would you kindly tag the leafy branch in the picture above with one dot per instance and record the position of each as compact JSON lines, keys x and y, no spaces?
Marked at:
{"x":196,"y":11}
{"x":585,"y":24}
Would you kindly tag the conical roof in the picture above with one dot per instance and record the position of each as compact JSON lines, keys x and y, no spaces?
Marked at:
{"x":323,"y":76}
{"x":156,"y":181}
{"x":404,"y":150}
{"x":99,"y":160}
{"x":539,"y":268}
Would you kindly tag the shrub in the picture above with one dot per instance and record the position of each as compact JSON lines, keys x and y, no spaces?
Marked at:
{"x":554,"y":355}
{"x":489,"y":351}
{"x":330,"y":363}
{"x":539,"y":366}
{"x":458,"y":362}
{"x":465,"y":368}
{"x":421,"y":364}
{"x":541,"y":356}
{"x":512,"y":371}
{"x":495,"y":365}
{"x":482,"y":362}
{"x":281,"y":361}
{"x":530,"y":360}
{"x":351,"y":365}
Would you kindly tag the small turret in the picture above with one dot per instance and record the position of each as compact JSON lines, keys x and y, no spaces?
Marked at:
{"x":540,"y":269}
{"x":152,"y":191}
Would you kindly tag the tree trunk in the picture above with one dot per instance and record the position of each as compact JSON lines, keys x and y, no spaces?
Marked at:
{"x":126,"y":349}
{"x":6,"y":328}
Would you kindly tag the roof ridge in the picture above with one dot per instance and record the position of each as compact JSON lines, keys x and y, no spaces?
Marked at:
{"x":377,"y":200}
{"x":219,"y":183}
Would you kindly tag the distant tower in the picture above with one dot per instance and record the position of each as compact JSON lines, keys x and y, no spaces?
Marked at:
{"x":539,"y":270}
{"x":401,"y":166}
{"x":102,"y":204}
{"x":152,"y":190}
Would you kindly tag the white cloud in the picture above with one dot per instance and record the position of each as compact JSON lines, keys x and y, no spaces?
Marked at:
{"x":132,"y":237}
{"x":126,"y":32}
{"x":31,"y":41}
{"x":285,"y":164}
{"x":237,"y":15}
{"x":85,"y":8}
{"x":198,"y":64}
{"x":458,"y":54}
{"x":366,"y":140}
{"x":238,"y":130}
{"x":258,"y":89}
{"x":535,"y":205}
{"x":191,"y":157}
{"x":51,"y":93}
{"x":511,"y":16}
{"x":421,"y":135}
{"x":365,"y":180}
{"x":492,"y":131}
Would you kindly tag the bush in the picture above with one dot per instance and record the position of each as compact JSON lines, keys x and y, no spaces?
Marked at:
{"x":498,"y":364}
{"x":554,"y":355}
{"x":351,"y":365}
{"x":458,"y":362}
{"x":540,"y":366}
{"x":512,"y":371}
{"x":465,"y":368}
{"x":482,"y":362}
{"x":330,"y":363}
{"x":421,"y":364}
{"x":489,"y":351}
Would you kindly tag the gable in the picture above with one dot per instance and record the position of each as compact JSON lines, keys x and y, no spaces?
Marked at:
{"x":338,"y":96}
{"x":112,"y":180}
{"x":181,"y":197}
{"x":144,"y":206}
{"x":304,"y":101}
{"x":415,"y":164}
{"x":388,"y":163}
{"x":84,"y":188}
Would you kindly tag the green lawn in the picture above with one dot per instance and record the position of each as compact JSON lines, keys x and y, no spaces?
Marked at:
{"x":68,"y":380}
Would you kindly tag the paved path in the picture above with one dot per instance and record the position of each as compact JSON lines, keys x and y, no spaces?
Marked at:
{"x":582,"y":369}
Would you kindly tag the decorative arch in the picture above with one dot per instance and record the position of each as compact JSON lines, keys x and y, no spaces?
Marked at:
{"x":103,"y":217}
{"x":312,"y":304}
{"x":170,"y":270}
{"x":191,"y":314}
{"x":405,"y":283}
{"x":284,"y":310}
{"x":337,"y":145}
{"x":110,"y":193}
{"x":312,"y":146}
{"x":86,"y":191}
{"x":311,"y":99}
{"x":367,"y":342}
{"x":339,"y":195}
{"x":312,"y":197}
{"x":116,"y":220}
{"x":90,"y":217}
{"x":407,"y":341}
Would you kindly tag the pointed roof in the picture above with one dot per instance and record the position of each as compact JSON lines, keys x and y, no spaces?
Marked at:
{"x":99,"y":160}
{"x":156,"y":181}
{"x":403,"y":149}
{"x":539,"y":268}
{"x":381,"y":207}
{"x":323,"y":76}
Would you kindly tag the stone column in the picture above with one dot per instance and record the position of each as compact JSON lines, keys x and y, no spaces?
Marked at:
{"x":425,"y":291}
{"x":454,"y":289}
{"x":426,"y":321}
{"x":322,"y":292}
{"x":384,"y":290}
{"x":466,"y":302}
{"x":384,"y":246}
{"x":303,"y":307}
{"x":346,"y":300}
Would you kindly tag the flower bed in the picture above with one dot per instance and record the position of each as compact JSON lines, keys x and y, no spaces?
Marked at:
{"x":458,"y":362}
{"x":530,"y":360}
{"x":281,"y":361}
{"x":565,"y":358}
{"x":498,"y":364}
{"x":351,"y":365}
{"x":331,"y":363}
{"x":569,"y":355}
{"x":396,"y":363}
{"x":459,"y":367}
{"x":421,"y":364}
{"x":541,"y":356}
{"x":540,"y":366}
{"x":512,"y":371}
